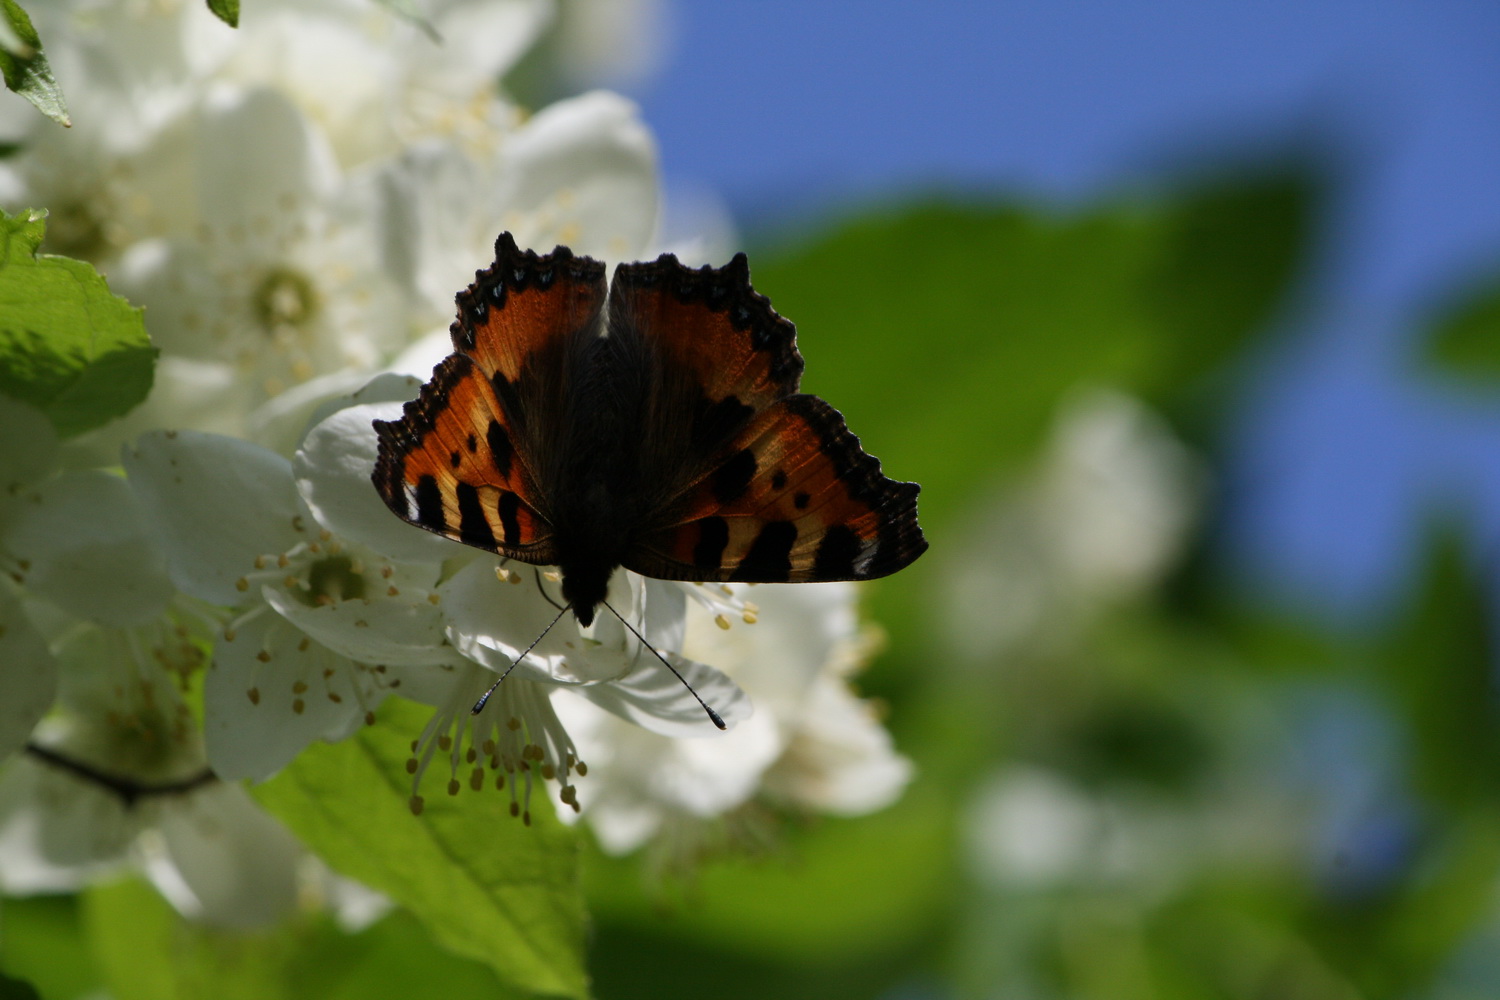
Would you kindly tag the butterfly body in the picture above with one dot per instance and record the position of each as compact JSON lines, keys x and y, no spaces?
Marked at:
{"x":654,"y":424}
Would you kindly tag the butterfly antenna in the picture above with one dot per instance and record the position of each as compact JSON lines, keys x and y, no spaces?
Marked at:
{"x":711,"y":713}
{"x":479,"y":705}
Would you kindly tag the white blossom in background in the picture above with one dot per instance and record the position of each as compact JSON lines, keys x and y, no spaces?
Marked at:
{"x":144,"y":798}
{"x":374,"y":82}
{"x":281,"y":279}
{"x":581,"y":173}
{"x":1104,"y":514}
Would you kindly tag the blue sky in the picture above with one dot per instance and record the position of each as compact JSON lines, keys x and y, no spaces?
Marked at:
{"x":1344,"y":443}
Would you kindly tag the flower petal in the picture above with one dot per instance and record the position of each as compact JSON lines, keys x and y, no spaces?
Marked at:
{"x":214,"y":504}
{"x":57,"y":832}
{"x":654,"y":698}
{"x":333,"y":468}
{"x":260,"y":711}
{"x":492,"y":623}
{"x":393,"y":631}
{"x":841,"y":760}
{"x":585,"y":171}
{"x":85,"y":540}
{"x":28,"y":445}
{"x":224,"y":861}
{"x":28,"y":681}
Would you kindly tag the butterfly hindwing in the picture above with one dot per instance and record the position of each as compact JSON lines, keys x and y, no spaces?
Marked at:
{"x":793,"y":499}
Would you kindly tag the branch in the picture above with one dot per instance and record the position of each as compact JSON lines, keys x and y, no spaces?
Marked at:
{"x":128,"y":789}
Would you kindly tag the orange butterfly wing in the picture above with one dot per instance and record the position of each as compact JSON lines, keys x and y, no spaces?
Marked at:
{"x":462,"y":459}
{"x":779,"y":490}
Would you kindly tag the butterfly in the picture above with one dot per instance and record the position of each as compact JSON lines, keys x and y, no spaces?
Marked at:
{"x":653,"y":424}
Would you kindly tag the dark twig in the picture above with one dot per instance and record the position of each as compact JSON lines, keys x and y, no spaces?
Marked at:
{"x":129,"y":790}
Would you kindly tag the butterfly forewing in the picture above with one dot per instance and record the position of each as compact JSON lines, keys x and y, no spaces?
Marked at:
{"x":463,"y":461}
{"x":450,"y":466}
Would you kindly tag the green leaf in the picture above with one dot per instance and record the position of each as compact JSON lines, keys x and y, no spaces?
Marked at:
{"x":40,"y":941}
{"x":1230,"y":254}
{"x":484,"y":885}
{"x":68,"y":346}
{"x":148,"y":951}
{"x":132,"y":929}
{"x":1465,"y":335}
{"x":24,"y":65}
{"x":16,"y":989}
{"x":856,"y":888}
{"x":227,"y":11}
{"x":947,"y":334}
{"x":1439,"y":669}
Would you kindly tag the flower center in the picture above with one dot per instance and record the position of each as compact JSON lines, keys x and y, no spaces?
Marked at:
{"x":332,"y":579}
{"x":284,"y":298}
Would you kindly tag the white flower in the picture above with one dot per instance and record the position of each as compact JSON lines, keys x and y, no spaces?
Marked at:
{"x":80,"y":541}
{"x":493,"y":613}
{"x":282,"y":276}
{"x":582,"y":172}
{"x":118,"y":777}
{"x":28,"y":679}
{"x":373,"y":81}
{"x":1099,"y":521}
{"x":811,"y":743}
{"x":316,"y":622}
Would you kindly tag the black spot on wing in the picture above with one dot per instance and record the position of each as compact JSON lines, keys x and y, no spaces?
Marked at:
{"x":455,"y":459}
{"x":770,"y":557}
{"x":430,"y":505}
{"x":713,"y":536}
{"x":836,"y":554}
{"x":802,"y":500}
{"x":716,"y":423}
{"x":510,"y":524}
{"x":501,"y":450}
{"x":473,"y":527}
{"x":731,"y":479}
{"x":778,"y":480}
{"x":899,"y":537}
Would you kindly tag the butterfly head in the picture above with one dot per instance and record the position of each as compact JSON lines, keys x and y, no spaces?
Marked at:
{"x":584,"y":586}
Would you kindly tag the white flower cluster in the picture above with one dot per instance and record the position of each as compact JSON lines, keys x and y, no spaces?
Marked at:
{"x":296,"y":203}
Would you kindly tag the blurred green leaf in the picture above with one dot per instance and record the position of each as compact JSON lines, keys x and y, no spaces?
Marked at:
{"x":149,"y":951}
{"x":41,"y":941}
{"x":947,"y":333}
{"x":227,"y":11}
{"x":1230,"y":254}
{"x":484,"y":885}
{"x":844,"y":891}
{"x":24,"y":65}
{"x":1439,"y":667}
{"x":16,"y":989}
{"x":1465,"y":336}
{"x":67,"y":345}
{"x":133,"y":933}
